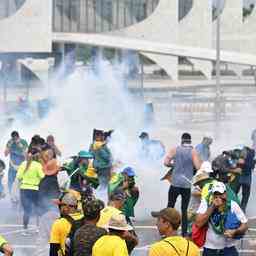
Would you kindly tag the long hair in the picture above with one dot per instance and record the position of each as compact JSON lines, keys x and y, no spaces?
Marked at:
{"x":33,"y":155}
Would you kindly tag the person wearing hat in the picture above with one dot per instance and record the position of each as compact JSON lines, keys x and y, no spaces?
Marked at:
{"x":102,"y":155}
{"x":88,"y":233}
{"x":216,"y":211}
{"x":125,"y":180}
{"x":186,"y":160}
{"x":81,"y":170}
{"x":203,"y":149}
{"x":168,"y":222}
{"x":61,"y":227}
{"x":5,"y":247}
{"x":16,"y":147}
{"x":115,"y":206}
{"x":30,"y":174}
{"x":114,"y":244}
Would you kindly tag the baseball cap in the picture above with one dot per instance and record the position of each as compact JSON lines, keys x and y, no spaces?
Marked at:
{"x":92,"y":208}
{"x":218,"y":187}
{"x":67,"y":199}
{"x":143,"y":135}
{"x":169,"y":214}
{"x":129,"y":171}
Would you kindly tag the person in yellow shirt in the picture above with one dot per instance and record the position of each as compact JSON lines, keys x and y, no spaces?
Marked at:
{"x":115,"y":205}
{"x":5,"y":248}
{"x":113,"y":244}
{"x":30,"y":173}
{"x":168,"y":222}
{"x":62,"y":226}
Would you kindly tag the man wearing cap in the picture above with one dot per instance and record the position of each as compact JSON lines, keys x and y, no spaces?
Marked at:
{"x":16,"y":148}
{"x":89,"y":233}
{"x":186,"y":159}
{"x":203,"y":149}
{"x":113,"y":244}
{"x":225,"y":219}
{"x":114,"y":207}
{"x":125,"y":180}
{"x":168,"y":222}
{"x":62,"y":226}
{"x":81,"y":168}
{"x":5,"y":248}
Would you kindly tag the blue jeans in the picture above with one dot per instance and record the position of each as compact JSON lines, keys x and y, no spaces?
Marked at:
{"x":11,"y":177}
{"x":227,"y":251}
{"x":1,"y":184}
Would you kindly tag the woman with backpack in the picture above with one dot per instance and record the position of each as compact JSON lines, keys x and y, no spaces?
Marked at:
{"x":30,"y":173}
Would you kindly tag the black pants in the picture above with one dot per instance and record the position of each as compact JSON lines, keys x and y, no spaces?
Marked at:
{"x":48,"y":190}
{"x":185,"y":193}
{"x":228,"y":251}
{"x":29,"y":200}
{"x":246,"y":191}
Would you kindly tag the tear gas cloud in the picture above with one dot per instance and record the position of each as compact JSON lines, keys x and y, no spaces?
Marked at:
{"x":85,"y":100}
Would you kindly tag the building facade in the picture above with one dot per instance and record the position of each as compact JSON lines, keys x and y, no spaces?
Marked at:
{"x":28,"y":25}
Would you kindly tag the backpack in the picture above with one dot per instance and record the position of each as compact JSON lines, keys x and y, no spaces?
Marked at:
{"x":75,"y":225}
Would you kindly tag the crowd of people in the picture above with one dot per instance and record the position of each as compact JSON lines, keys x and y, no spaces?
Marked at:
{"x":72,"y":221}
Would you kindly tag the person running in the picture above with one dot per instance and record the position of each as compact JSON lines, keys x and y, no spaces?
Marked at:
{"x":61,"y":227}
{"x":89,"y":233}
{"x":5,"y":247}
{"x":16,"y":148}
{"x":186,"y":159}
{"x":113,"y":244}
{"x":50,"y":140}
{"x":203,"y":149}
{"x":102,"y":156}
{"x":2,"y":167}
{"x":225,"y":219}
{"x":168,"y":222}
{"x":30,"y":174}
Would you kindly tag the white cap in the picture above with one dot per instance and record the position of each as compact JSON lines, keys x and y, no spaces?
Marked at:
{"x":218,"y":187}
{"x":206,"y":167}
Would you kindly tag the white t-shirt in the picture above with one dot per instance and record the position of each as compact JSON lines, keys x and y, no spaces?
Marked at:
{"x":216,"y":241}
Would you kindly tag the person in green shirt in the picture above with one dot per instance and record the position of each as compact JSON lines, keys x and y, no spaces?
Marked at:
{"x":5,"y":248}
{"x":102,"y":155}
{"x":125,"y":180}
{"x":16,"y":148}
{"x":81,"y":171}
{"x":30,"y":174}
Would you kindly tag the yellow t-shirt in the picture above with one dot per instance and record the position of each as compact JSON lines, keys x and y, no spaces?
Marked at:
{"x":2,"y":242}
{"x":60,"y":230}
{"x":110,"y":245}
{"x":162,"y":248}
{"x":106,"y":214}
